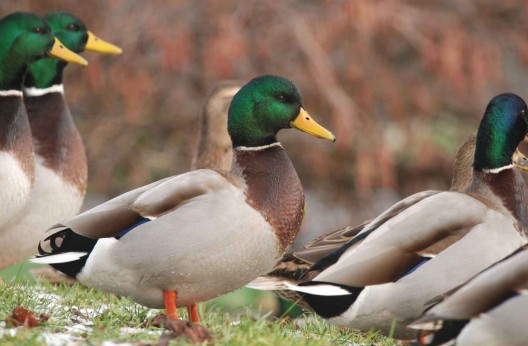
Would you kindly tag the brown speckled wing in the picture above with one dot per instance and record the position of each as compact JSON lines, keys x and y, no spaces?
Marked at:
{"x":327,"y":243}
{"x":150,"y":201}
{"x":398,"y":243}
{"x":177,"y":191}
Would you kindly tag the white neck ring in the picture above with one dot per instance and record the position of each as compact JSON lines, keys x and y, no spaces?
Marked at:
{"x":33,"y":92}
{"x":497,"y":170}
{"x":10,"y":93}
{"x":262,"y":147}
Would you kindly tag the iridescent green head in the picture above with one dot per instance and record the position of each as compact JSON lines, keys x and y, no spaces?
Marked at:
{"x":72,"y":32}
{"x":263,"y":107}
{"x":69,"y":29}
{"x":501,"y":130}
{"x":25,"y":38}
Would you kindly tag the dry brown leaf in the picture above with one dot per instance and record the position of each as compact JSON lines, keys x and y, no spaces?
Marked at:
{"x":180,"y":328}
{"x":23,"y":317}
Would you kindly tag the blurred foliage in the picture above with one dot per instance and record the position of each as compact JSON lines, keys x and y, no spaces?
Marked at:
{"x":401,"y":83}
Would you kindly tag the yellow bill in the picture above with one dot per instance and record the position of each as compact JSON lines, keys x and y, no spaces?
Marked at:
{"x":95,"y":44}
{"x":305,"y":123}
{"x":519,"y":159}
{"x":60,"y":51}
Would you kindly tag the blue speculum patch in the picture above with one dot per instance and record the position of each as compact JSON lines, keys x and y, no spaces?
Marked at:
{"x":140,"y":221}
{"x":422,"y":262}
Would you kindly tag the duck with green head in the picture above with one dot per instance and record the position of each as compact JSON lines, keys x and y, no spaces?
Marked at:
{"x":60,"y":159}
{"x":73,"y":33}
{"x":429,"y":243}
{"x":24,"y":39}
{"x":198,"y":235}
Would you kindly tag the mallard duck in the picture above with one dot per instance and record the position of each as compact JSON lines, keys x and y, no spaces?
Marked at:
{"x":490,"y":309}
{"x":213,"y":150}
{"x":295,"y":263}
{"x":214,"y":144}
{"x":198,"y":235}
{"x":60,"y":175}
{"x":25,"y":38}
{"x":430,"y":242}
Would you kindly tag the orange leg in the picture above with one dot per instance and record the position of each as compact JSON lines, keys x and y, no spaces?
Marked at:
{"x":169,"y":299}
{"x":192,"y":311}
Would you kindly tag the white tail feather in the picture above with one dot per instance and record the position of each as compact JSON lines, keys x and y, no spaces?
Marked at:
{"x":428,"y":325}
{"x":319,"y":290}
{"x":267,"y":284}
{"x":58,"y":258}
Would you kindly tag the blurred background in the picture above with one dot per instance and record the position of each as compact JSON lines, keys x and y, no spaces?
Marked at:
{"x":401,"y":84}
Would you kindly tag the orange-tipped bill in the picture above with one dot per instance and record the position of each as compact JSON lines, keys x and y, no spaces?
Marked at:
{"x":95,"y":44}
{"x":60,"y":51}
{"x":305,"y":123}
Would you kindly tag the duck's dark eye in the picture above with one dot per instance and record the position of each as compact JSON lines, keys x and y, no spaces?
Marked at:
{"x":40,"y":30}
{"x":523,"y":112}
{"x":281,"y":98}
{"x":73,"y":27}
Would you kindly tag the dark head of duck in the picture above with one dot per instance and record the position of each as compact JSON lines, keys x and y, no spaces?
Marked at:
{"x":503,"y":127}
{"x":261,"y":108}
{"x":25,"y":38}
{"x":266,"y":105}
{"x":72,"y":32}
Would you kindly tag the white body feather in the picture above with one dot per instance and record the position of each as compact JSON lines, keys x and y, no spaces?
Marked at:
{"x":51,"y":201}
{"x":15,"y":189}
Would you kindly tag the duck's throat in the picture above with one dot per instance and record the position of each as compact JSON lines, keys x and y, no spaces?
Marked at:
{"x":273,"y":189}
{"x":15,"y":133}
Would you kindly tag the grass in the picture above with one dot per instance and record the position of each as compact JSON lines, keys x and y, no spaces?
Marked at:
{"x":83,"y":316}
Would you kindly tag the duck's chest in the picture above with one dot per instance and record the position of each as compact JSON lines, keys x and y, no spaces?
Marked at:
{"x":15,"y":133}
{"x":274,"y":190}
{"x":58,"y":144}
{"x":54,"y":198}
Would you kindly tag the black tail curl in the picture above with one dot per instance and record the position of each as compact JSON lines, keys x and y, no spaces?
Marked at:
{"x":63,"y":241}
